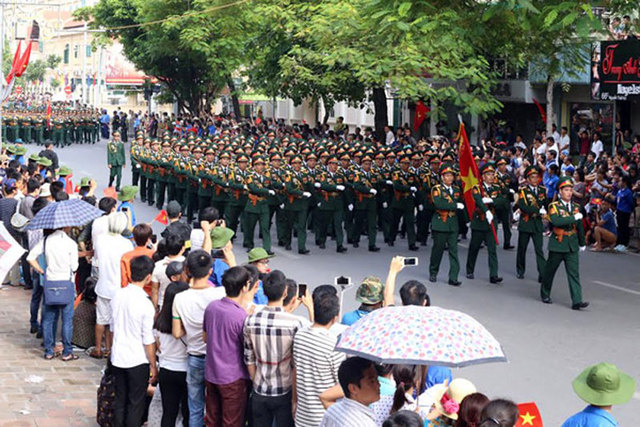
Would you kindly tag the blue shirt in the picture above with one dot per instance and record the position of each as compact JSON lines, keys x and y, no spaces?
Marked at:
{"x":219,"y":267}
{"x":624,"y":200}
{"x":610,"y":222}
{"x":129,"y":206}
{"x":551,"y":183}
{"x":260,"y":298}
{"x":353,"y":316}
{"x":591,"y":416}
{"x":437,"y":375}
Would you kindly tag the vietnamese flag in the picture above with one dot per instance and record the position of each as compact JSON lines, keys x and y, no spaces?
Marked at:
{"x":529,"y":415}
{"x":69,"y":186}
{"x":162,"y":217}
{"x":49,"y":113}
{"x":468,"y":170}
{"x":16,"y":60}
{"x":24,"y":60}
{"x":421,"y":114}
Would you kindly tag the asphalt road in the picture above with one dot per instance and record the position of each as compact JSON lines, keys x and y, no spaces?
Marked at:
{"x":547,"y":345}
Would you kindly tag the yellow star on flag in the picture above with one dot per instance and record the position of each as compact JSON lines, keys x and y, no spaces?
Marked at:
{"x":527,"y":419}
{"x":469,"y":180}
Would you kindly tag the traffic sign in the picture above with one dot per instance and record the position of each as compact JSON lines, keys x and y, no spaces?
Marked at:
{"x":18,"y":90}
{"x":67,"y":90}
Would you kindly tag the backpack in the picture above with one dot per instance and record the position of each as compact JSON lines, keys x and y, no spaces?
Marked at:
{"x":106,"y":398}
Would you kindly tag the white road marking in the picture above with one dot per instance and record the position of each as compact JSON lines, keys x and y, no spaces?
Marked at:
{"x":620,"y":288}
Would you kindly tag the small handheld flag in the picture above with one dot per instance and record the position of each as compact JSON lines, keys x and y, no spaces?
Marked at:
{"x":421,"y":114}
{"x":529,"y":415}
{"x":162,"y":217}
{"x":110,"y":192}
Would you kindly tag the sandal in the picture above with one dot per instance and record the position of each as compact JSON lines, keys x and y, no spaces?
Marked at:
{"x":96,"y":354}
{"x":48,"y":357}
{"x":70,"y":357}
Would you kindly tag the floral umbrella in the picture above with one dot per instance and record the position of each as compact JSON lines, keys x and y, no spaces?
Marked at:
{"x":421,"y":336}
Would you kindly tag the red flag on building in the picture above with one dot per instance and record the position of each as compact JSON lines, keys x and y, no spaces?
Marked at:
{"x":14,"y":63}
{"x":162,"y":217}
{"x":469,"y":173}
{"x":24,"y":60}
{"x":529,"y":415}
{"x":69,"y":186}
{"x":543,"y":115}
{"x":421,"y":114}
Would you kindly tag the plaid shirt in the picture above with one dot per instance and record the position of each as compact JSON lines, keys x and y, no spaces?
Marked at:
{"x":268,"y":344}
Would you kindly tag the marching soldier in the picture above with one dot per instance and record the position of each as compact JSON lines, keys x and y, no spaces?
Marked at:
{"x":296,"y":205}
{"x":221,"y":176}
{"x":181,"y":169}
{"x":503,"y":213}
{"x":164,"y":166}
{"x":239,"y":196}
{"x":447,"y":201}
{"x":193,"y":182}
{"x":384,"y":196}
{"x":347,"y":171}
{"x":152,"y":158}
{"x":403,"y":204}
{"x":115,"y":160}
{"x":275,"y":175}
{"x":487,"y":199}
{"x":331,"y":208}
{"x":257,"y":208}
{"x":205,"y":172}
{"x":532,"y":202}
{"x":565,"y":243}
{"x":364,"y":185}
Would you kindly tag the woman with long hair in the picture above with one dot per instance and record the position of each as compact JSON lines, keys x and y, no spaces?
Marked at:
{"x":173,"y":361}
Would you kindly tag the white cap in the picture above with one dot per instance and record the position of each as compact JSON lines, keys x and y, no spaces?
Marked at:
{"x":45,"y":190}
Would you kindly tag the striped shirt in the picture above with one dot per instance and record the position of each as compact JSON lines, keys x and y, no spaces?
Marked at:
{"x":317,"y":366}
{"x":268,"y":344}
{"x":350,"y":413}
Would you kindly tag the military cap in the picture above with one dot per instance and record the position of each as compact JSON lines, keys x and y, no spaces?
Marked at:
{"x":434,"y":159}
{"x":43,"y":161}
{"x":85,"y":181}
{"x":391,"y":154}
{"x":371,"y":291}
{"x":225,"y":154}
{"x":275,"y":156}
{"x":447,"y":168}
{"x":296,"y":158}
{"x":116,"y":133}
{"x":416,"y":156}
{"x":501,"y":161}
{"x":530,"y":170}
{"x":565,"y":181}
{"x":345,"y":156}
{"x":258,"y":159}
{"x":34,"y":157}
{"x":487,"y":167}
{"x":366,"y":158}
{"x":379,"y":155}
{"x":208,"y":151}
{"x":155,"y":142}
{"x":311,"y":155}
{"x":242,"y":158}
{"x":405,"y":158}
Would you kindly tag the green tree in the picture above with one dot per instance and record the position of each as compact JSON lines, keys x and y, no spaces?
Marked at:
{"x":35,"y":71}
{"x":53,"y":61}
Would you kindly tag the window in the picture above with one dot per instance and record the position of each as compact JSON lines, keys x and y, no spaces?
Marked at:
{"x":75,"y":51}
{"x":66,"y":53}
{"x":88,"y":51}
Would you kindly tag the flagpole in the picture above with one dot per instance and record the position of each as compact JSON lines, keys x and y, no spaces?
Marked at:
{"x":1,"y":54}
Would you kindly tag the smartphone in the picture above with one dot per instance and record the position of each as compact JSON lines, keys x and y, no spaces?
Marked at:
{"x":412,"y":261}
{"x":342,"y":281}
{"x":125,"y":209}
{"x":154,"y":238}
{"x":302,"y":289}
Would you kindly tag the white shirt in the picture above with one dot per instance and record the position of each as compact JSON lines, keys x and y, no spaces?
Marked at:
{"x":350,"y":413}
{"x":61,"y":255}
{"x":159,"y":276}
{"x":390,"y":138}
{"x":132,"y":326}
{"x":597,"y":148}
{"x":197,"y":239}
{"x":111,"y":248}
{"x":556,"y":137}
{"x":172,"y":352}
{"x":189,"y":307}
{"x":565,"y":142}
{"x":99,"y":227}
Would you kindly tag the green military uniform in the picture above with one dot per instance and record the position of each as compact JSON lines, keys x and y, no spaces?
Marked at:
{"x":331,"y":207}
{"x":503,"y":213}
{"x":481,"y":228}
{"x":239,"y":196}
{"x":181,"y":183}
{"x":163,"y":174}
{"x":38,"y":130}
{"x":220,"y":177}
{"x":276,"y":201}
{"x":68,"y":131}
{"x":193,"y":183}
{"x":257,"y":208}
{"x":365,"y":184}
{"x":26,"y":126}
{"x":134,"y":155}
{"x":296,"y":204}
{"x":425,"y":205}
{"x":13,"y":130}
{"x":116,"y":161}
{"x":384,"y":197}
{"x":532,"y":202}
{"x":405,"y":186}
{"x":205,"y":190}
{"x":565,"y":243}
{"x":444,"y":227}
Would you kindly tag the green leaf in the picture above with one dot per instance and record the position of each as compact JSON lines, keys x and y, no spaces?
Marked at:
{"x":403,"y":9}
{"x":551,"y":16}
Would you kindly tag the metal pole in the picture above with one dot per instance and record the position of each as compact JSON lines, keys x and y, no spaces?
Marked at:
{"x":1,"y":53}
{"x":85,"y":97}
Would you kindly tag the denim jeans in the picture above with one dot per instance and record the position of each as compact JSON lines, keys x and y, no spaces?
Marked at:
{"x":36,"y":300}
{"x":195,"y":390}
{"x":50,"y":315}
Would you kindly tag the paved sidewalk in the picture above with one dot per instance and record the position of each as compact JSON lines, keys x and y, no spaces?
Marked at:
{"x":36,"y":392}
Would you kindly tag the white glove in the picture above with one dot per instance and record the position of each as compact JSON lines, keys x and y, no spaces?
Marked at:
{"x":318,"y":205}
{"x":373,"y":191}
{"x":247,"y":188}
{"x":272,"y":193}
{"x":413,"y":189}
{"x":459,"y":206}
{"x":420,"y":208}
{"x":389,"y":182}
{"x":583,"y":248}
{"x":385,"y":205}
{"x":317,"y":185}
{"x":487,"y":200}
{"x":543,"y":211}
{"x":340,"y":187}
{"x":306,"y":194}
{"x":489,"y":217}
{"x":350,"y":207}
{"x":578,"y":216}
{"x":516,"y":215}
{"x":282,"y":206}
{"x":137,"y":166}
{"x":511,"y":190}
